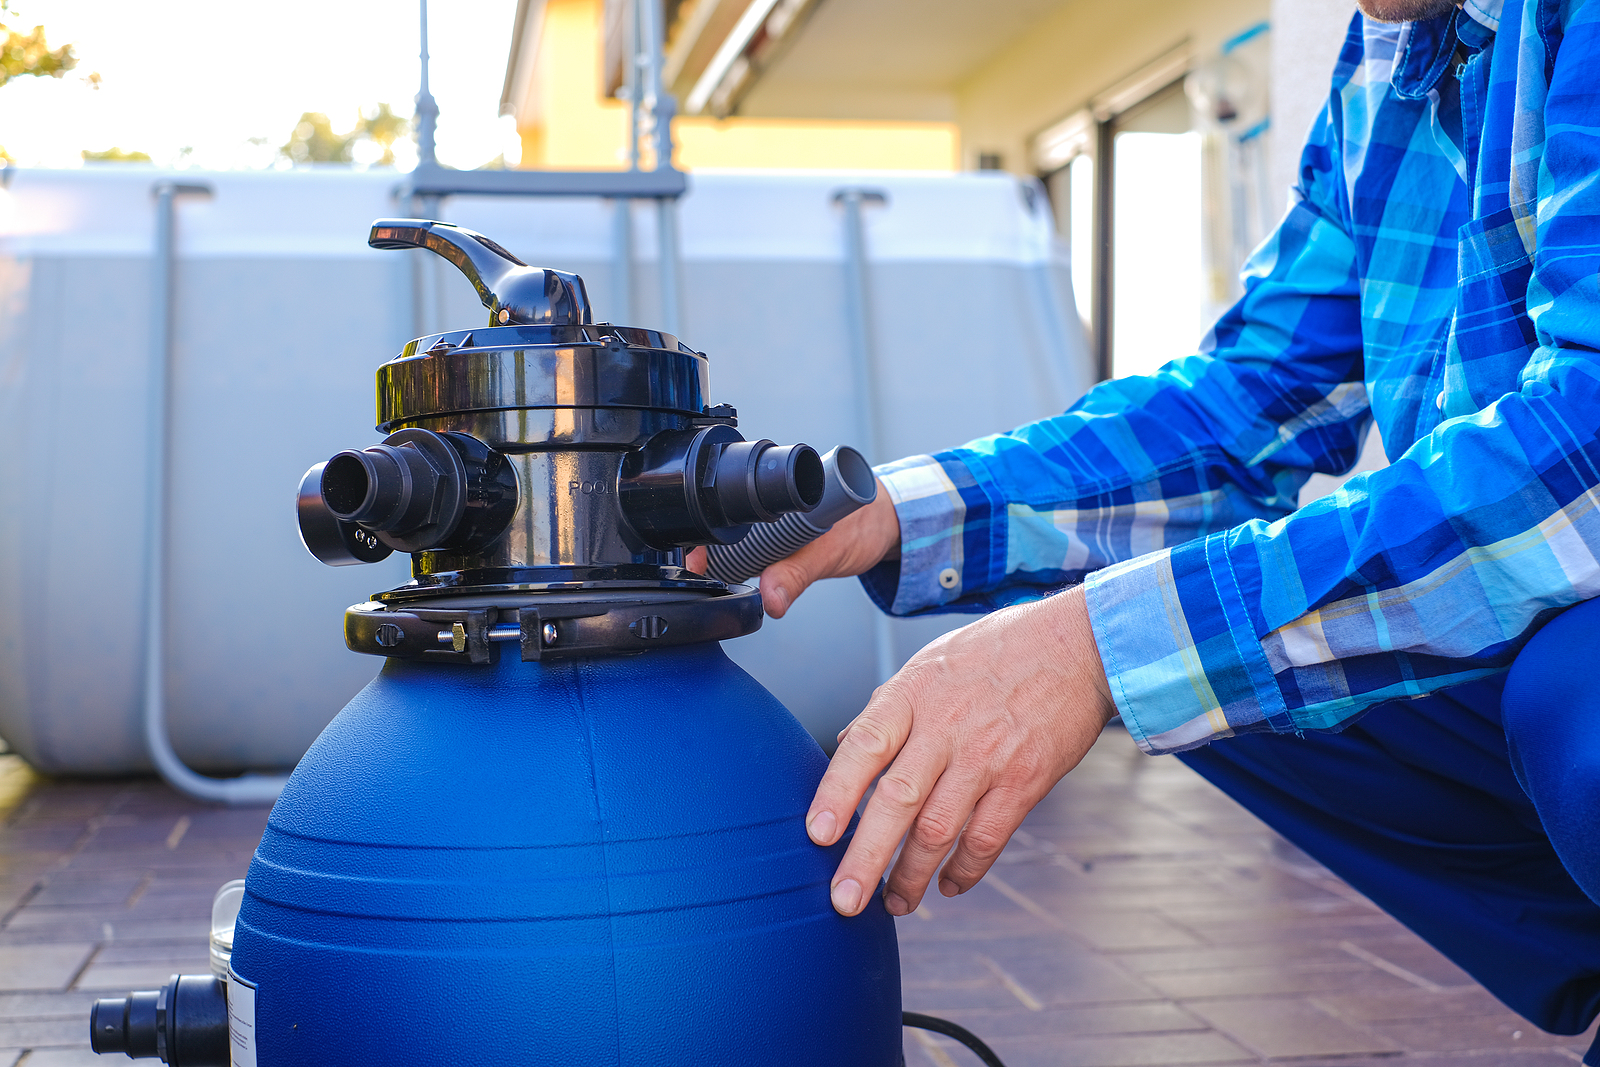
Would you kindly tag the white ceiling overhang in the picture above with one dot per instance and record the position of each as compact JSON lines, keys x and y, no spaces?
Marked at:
{"x":858,"y":59}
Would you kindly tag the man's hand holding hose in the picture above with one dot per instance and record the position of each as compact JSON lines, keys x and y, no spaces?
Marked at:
{"x":973,"y":731}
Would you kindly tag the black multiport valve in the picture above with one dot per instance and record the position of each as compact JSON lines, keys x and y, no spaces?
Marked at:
{"x":545,"y":466}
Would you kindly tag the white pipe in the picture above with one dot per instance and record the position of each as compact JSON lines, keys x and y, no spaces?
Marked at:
{"x":248,"y":789}
{"x":667,"y":238}
{"x":622,"y":263}
{"x":857,"y":301}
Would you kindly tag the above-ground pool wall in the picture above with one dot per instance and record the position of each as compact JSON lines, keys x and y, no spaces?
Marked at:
{"x":274,"y":340}
{"x":282,"y":315}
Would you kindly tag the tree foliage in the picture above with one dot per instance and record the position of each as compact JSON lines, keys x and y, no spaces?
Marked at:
{"x":313,"y":139}
{"x":29,"y":54}
{"x":114,"y":155}
{"x":383,"y":128}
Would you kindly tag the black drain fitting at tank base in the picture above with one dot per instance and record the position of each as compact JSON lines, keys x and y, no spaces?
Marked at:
{"x":184,"y":1024}
{"x":417,"y":490}
{"x":709,"y":485}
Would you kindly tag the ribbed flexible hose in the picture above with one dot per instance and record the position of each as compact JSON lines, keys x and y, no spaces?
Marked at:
{"x":849,"y":485}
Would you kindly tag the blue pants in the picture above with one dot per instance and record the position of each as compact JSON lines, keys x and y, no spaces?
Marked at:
{"x":1472,"y":816}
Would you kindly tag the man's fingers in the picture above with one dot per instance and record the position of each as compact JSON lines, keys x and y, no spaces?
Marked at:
{"x":933,"y":832}
{"x":856,"y":543}
{"x":782,"y":582}
{"x":994,"y":820}
{"x":900,"y":795}
{"x":866,"y":749}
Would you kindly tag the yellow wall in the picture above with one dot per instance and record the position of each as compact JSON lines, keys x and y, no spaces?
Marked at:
{"x":575,"y":127}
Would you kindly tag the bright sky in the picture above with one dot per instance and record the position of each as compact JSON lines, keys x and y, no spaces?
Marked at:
{"x":210,"y":75}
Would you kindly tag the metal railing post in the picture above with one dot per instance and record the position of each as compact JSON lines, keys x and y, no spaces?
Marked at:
{"x":648,"y":17}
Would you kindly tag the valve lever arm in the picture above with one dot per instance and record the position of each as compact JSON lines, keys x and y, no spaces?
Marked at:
{"x":514,"y":293}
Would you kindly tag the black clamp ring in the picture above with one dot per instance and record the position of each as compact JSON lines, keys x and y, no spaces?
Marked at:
{"x":614,"y":625}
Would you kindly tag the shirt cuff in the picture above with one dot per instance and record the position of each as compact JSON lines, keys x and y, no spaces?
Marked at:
{"x":941,"y":509}
{"x":1184,"y":662}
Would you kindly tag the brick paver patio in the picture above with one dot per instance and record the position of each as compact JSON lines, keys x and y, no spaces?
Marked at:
{"x":1141,"y":918}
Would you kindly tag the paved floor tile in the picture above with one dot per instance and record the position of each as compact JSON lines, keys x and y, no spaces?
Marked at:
{"x":41,"y":966}
{"x":1471,"y":1033}
{"x":1281,"y":1028}
{"x":1289,"y":954}
{"x":123,"y":965}
{"x":114,"y":978}
{"x":1409,"y":956}
{"x":1492,"y":1058}
{"x":1137,"y":1050}
{"x":32,"y":1033}
{"x":1099,"y":1020}
{"x":63,"y":1057}
{"x":1408,"y":1004}
{"x":1267,"y":981}
{"x":1124,"y":930}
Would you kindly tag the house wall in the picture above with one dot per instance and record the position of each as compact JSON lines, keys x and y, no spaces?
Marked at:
{"x":565,"y":122}
{"x":1046,"y":74}
{"x":1306,"y":39}
{"x":1076,"y":52}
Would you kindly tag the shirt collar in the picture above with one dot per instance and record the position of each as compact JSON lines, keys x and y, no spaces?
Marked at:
{"x":1427,"y":48}
{"x":1485,"y":13}
{"x":1422,"y":54}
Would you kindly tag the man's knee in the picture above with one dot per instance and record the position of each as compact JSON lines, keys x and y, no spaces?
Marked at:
{"x":1551,"y":710}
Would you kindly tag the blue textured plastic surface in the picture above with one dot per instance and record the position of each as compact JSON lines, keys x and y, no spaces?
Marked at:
{"x":579,"y":863}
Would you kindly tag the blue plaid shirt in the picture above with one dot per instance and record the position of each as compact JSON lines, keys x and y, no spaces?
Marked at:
{"x":1438,"y":273}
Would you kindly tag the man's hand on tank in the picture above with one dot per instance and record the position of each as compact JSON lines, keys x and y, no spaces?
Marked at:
{"x":974,"y":731}
{"x":856,"y":544}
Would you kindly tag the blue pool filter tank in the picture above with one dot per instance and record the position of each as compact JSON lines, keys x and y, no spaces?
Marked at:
{"x":560,"y":826}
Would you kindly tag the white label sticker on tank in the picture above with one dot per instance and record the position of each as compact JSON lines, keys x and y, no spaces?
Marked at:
{"x":241,"y":1021}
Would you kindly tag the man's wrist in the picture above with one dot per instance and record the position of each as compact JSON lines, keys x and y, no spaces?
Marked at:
{"x":928,"y":566}
{"x":1084,"y":651}
{"x":883,"y":526}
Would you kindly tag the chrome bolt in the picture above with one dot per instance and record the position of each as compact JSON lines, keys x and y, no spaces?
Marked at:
{"x":549,"y":633}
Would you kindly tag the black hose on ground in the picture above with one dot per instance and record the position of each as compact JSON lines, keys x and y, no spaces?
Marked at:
{"x":950,"y":1029}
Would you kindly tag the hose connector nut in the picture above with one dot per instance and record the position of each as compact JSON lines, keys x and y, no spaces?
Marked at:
{"x":417,"y":490}
{"x":709,"y":485}
{"x":410,"y":490}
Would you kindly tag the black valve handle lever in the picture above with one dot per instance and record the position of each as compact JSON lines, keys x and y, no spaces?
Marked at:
{"x":514,"y":293}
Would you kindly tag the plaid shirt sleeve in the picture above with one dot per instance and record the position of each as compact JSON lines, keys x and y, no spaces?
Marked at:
{"x":1217,"y":608}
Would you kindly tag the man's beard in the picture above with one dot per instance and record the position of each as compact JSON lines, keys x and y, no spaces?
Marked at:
{"x":1405,"y":10}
